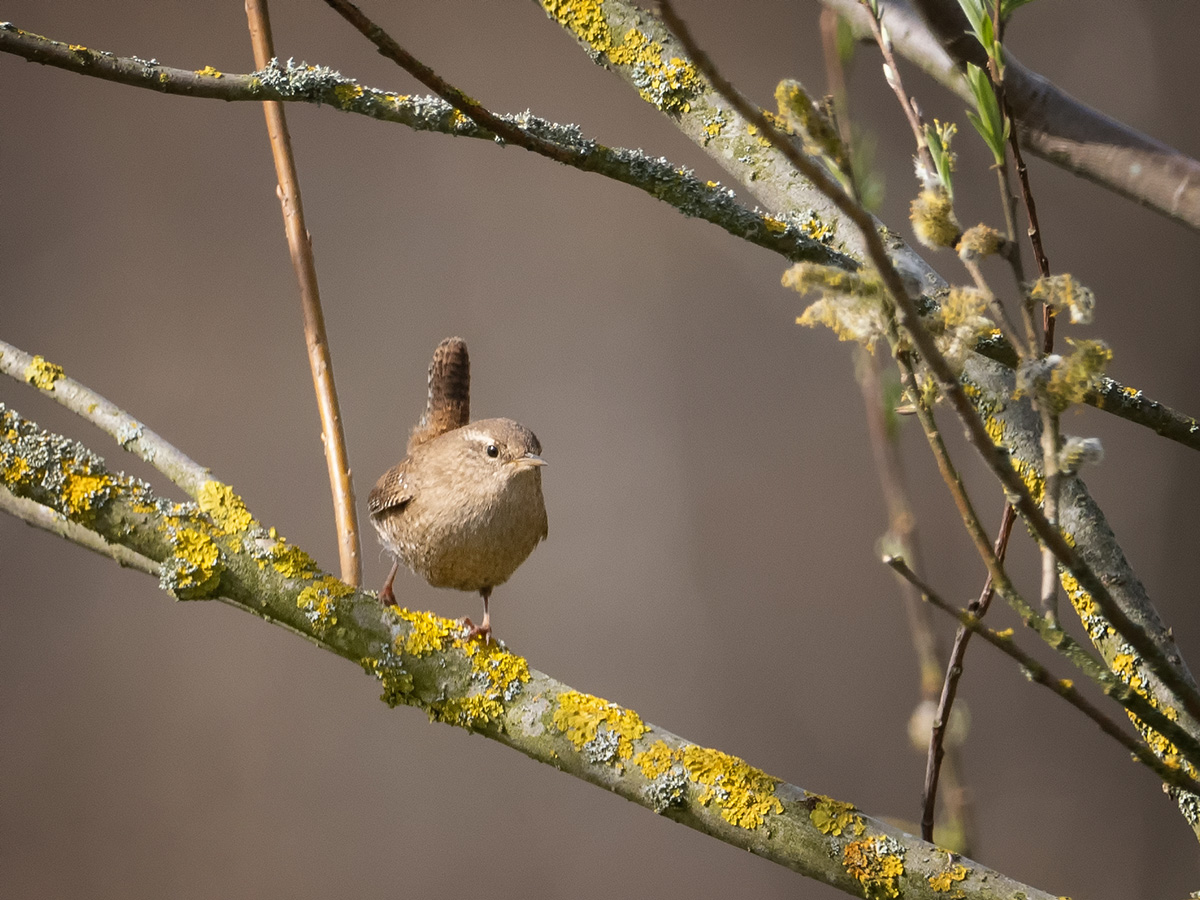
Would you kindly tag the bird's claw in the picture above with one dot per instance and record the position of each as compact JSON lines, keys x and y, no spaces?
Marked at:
{"x":473,"y":631}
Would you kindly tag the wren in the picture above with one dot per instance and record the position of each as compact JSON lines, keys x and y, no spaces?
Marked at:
{"x":464,"y":509}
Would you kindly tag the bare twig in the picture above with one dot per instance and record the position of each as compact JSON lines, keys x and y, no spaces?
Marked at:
{"x":1038,"y":674}
{"x":954,"y":670}
{"x":908,"y":319}
{"x":891,"y":74}
{"x":319,"y":358}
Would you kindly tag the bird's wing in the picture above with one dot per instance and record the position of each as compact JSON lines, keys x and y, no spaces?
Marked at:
{"x":392,"y":491}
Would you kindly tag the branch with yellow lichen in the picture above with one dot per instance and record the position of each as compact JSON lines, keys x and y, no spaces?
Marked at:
{"x":1175,"y":772}
{"x":421,"y":661}
{"x":795,"y":238}
{"x":1007,"y":432}
{"x":797,"y":235}
{"x":132,"y":435}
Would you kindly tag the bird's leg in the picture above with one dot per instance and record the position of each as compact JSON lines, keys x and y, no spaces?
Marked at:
{"x":386,"y":597}
{"x":484,"y":628}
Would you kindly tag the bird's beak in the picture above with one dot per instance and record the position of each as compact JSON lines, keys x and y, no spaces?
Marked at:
{"x":528,"y":461}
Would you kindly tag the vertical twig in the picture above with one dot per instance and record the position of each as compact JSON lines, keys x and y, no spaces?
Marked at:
{"x":937,"y":734}
{"x":319,"y":359}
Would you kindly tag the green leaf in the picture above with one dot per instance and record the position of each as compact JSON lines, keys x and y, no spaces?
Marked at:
{"x":1008,"y":7}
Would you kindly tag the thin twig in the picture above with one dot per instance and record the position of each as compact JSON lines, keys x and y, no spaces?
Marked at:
{"x":999,"y":313}
{"x":483,"y":117}
{"x":318,"y":85}
{"x":320,"y":360}
{"x":127,"y":431}
{"x":908,"y":319}
{"x":1055,"y":637}
{"x":47,"y":519}
{"x":1038,"y":674}
{"x":891,"y":75}
{"x":954,"y":670}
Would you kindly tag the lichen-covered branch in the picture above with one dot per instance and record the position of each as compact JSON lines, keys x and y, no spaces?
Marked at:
{"x":45,"y":518}
{"x":795,"y":238}
{"x":420,"y":660}
{"x":132,"y":435}
{"x":639,"y":48}
{"x":1039,"y":674}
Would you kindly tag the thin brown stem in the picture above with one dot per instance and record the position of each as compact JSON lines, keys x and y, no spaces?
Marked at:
{"x":908,"y":319}
{"x":999,"y":313}
{"x":1038,"y":674}
{"x":907,"y":103}
{"x":954,"y":670}
{"x":476,"y":112}
{"x":319,"y":358}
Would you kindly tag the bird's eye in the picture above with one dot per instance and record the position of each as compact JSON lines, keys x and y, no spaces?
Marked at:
{"x":493,"y":451}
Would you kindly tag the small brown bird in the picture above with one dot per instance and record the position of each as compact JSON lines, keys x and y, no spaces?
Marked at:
{"x":465,"y":508}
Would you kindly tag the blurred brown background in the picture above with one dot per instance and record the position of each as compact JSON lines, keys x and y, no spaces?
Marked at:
{"x":713,"y":505}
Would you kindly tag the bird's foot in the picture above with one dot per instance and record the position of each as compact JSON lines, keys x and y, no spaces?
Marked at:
{"x":484,"y":630}
{"x":386,"y":597}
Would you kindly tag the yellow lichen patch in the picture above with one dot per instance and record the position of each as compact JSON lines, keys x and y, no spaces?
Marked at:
{"x":656,"y":760}
{"x":503,"y":672}
{"x":227,"y":509}
{"x":42,"y":374}
{"x":876,"y":864}
{"x":995,"y":429}
{"x":712,"y":128}
{"x":319,"y":601}
{"x":834,"y":817}
{"x":745,"y":795}
{"x":814,"y":228}
{"x":752,"y":130}
{"x":943,"y":882}
{"x":774,"y":225}
{"x":347,"y":93}
{"x":81,"y":491}
{"x":198,"y":567}
{"x":428,"y":633}
{"x":583,"y":18}
{"x":669,"y":85}
{"x":580,"y":717}
{"x":1032,"y":478}
{"x":292,"y":562}
{"x":467,"y":712}
{"x":15,"y":469}
{"x":210,"y":72}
